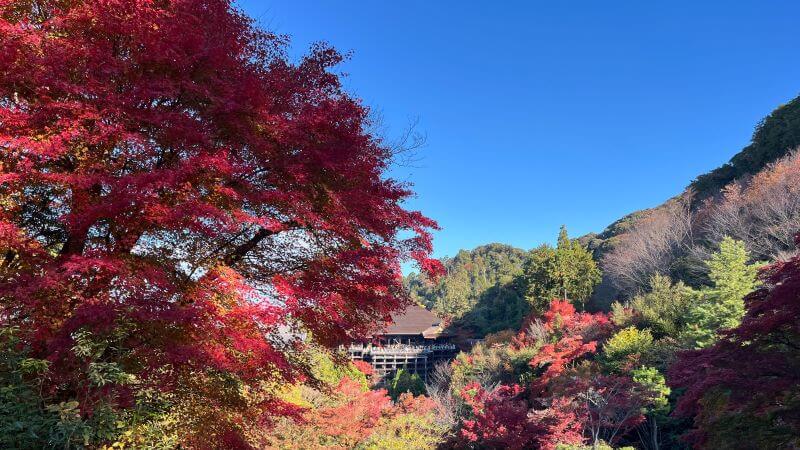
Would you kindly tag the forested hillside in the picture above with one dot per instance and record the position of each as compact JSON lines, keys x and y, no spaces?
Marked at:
{"x":686,"y":226}
{"x":493,"y":287}
{"x":696,"y":312}
{"x":672,"y":238}
{"x":774,"y":136}
{"x":481,"y":288}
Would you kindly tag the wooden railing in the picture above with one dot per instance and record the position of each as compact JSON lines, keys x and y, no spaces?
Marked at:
{"x":400,"y":348}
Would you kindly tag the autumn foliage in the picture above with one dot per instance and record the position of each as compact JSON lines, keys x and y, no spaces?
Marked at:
{"x":763,"y":211}
{"x":576,"y":336}
{"x":749,"y":380}
{"x":174,"y":186}
{"x":503,"y":418}
{"x":348,"y":415}
{"x":568,"y":400}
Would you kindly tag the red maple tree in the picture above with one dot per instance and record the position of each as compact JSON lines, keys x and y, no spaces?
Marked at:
{"x":609,"y":406}
{"x":174,"y":186}
{"x":571,"y":336}
{"x":506,"y":418}
{"x":549,"y":410}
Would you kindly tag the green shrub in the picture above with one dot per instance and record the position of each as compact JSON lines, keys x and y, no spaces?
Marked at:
{"x":626,"y":348}
{"x":405,"y":381}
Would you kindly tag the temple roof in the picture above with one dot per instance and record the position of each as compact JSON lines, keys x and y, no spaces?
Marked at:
{"x":415,"y":320}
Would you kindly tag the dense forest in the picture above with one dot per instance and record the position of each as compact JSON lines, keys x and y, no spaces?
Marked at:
{"x":482,"y":288}
{"x":195,"y":226}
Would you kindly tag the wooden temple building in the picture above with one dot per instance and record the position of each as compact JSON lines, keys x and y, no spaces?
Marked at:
{"x":415,"y":341}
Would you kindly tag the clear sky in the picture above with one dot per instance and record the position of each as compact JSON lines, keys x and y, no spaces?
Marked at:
{"x":542,"y":113}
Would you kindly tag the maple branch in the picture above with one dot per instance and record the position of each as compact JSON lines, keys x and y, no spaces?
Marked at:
{"x":76,"y":239}
{"x":238,"y":253}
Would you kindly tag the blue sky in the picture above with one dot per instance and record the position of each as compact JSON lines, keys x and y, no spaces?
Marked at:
{"x":539,"y":114}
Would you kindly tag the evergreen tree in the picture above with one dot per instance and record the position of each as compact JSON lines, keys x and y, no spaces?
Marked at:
{"x":405,"y":381}
{"x":538,"y":274}
{"x":730,"y":273}
{"x":567,"y":272}
{"x":655,"y":389}
{"x":722,"y":306}
{"x":471,"y":276}
{"x":583,"y":274}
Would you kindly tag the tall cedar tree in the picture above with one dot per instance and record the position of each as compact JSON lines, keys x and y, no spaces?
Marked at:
{"x":566,"y":272}
{"x":171,"y":181}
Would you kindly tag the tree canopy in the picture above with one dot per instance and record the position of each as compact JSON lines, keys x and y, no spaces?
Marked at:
{"x":721,"y":306}
{"x":470,"y":276}
{"x":567,"y":272}
{"x":181,"y":202}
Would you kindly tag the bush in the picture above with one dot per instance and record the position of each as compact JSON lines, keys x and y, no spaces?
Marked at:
{"x":30,"y":419}
{"x":405,"y":381}
{"x":626,"y":348}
